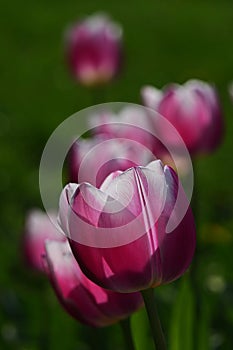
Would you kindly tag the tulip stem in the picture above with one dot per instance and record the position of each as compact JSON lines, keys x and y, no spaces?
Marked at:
{"x":126,"y":330}
{"x":157,"y":332}
{"x":193,"y":273}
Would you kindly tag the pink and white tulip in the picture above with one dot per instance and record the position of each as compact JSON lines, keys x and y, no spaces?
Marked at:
{"x":104,"y":156}
{"x":130,"y":123}
{"x":38,"y":228}
{"x":81,"y":298}
{"x":94,"y":49}
{"x":118,"y":233}
{"x":194,"y":110}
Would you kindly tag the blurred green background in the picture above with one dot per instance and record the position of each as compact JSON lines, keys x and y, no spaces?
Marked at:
{"x":164,"y":41}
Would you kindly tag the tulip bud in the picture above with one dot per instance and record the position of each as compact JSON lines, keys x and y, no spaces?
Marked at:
{"x":104,"y":156}
{"x":194,"y":110}
{"x":131,"y":123}
{"x":94,"y":50}
{"x":81,"y":298}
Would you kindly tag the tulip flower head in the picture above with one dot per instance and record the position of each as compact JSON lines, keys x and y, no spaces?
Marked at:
{"x":131,"y":123}
{"x":118,"y":233}
{"x":38,"y":228}
{"x":194,"y":110}
{"x":94,"y":49}
{"x":104,"y":156}
{"x":81,"y":298}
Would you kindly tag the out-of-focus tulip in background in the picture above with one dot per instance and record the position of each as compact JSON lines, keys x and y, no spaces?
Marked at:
{"x":163,"y":43}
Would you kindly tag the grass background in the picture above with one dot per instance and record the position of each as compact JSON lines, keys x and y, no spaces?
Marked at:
{"x":164,"y":41}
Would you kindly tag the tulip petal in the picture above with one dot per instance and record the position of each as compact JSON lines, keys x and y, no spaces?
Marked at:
{"x":108,"y":180}
{"x":64,"y":205}
{"x":88,"y":203}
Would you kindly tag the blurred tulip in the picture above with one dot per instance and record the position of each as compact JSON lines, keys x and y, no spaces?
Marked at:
{"x":38,"y":228}
{"x":131,"y":123}
{"x":122,"y":226}
{"x":81,"y":298}
{"x":94,"y":49}
{"x":104,"y":156}
{"x":194,"y":110}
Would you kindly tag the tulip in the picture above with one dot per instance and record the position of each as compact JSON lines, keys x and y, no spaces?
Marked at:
{"x":94,"y":49}
{"x":104,"y":156}
{"x":119,"y":233}
{"x":151,"y":98}
{"x":81,"y":298}
{"x":38,"y":228}
{"x":194,"y":110}
{"x":131,"y":122}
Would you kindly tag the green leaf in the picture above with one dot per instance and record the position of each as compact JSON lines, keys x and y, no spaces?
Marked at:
{"x":182,"y":320}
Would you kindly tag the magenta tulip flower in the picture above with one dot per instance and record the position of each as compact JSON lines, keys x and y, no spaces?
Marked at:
{"x":131,"y":123}
{"x":81,"y":298}
{"x":38,"y":228}
{"x":194,"y":110}
{"x":118,"y":233}
{"x":104,"y":156}
{"x":94,"y":49}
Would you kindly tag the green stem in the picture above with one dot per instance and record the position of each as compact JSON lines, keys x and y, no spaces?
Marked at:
{"x":193,"y":272}
{"x":157,"y":332}
{"x":126,"y":330}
